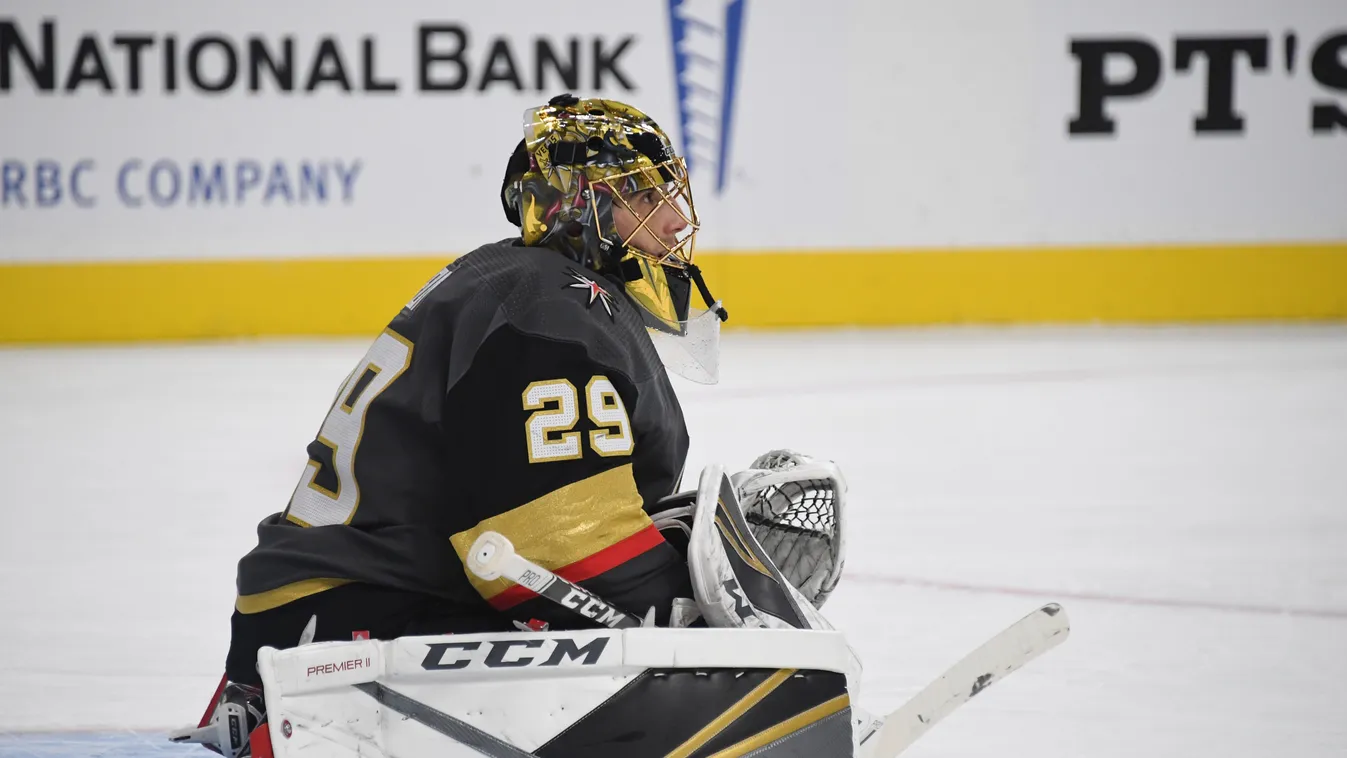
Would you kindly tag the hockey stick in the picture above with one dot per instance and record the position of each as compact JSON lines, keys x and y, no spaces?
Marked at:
{"x":493,"y":556}
{"x":1020,"y":643}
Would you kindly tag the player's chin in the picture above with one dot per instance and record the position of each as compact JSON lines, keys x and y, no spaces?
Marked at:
{"x":650,"y":247}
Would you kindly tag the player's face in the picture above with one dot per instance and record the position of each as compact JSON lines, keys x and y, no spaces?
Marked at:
{"x":662,"y":228}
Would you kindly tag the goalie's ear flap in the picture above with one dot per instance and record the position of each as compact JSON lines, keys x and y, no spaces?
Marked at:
{"x":733,"y":579}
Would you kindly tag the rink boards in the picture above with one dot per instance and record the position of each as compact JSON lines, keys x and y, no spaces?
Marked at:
{"x":259,"y":172}
{"x":194,"y":299}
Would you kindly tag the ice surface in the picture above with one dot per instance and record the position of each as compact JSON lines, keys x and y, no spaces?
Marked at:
{"x":1182,"y":491}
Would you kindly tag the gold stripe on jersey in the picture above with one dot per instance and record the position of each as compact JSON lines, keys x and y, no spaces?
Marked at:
{"x":565,"y":525}
{"x":265,"y":601}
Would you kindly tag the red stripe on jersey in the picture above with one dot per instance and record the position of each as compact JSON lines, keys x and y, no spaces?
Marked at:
{"x":587,"y":568}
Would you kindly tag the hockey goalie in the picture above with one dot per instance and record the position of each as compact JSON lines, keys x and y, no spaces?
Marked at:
{"x":523,"y":392}
{"x":487,"y":552}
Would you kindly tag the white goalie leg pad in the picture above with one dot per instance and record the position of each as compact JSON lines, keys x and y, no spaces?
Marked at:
{"x":514,"y":695}
{"x":735,"y":582}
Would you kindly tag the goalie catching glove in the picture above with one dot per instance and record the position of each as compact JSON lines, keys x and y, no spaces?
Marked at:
{"x":764,"y":547}
{"x":794,"y":506}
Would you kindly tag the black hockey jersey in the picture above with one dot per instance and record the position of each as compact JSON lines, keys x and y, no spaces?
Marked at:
{"x":517,"y":392}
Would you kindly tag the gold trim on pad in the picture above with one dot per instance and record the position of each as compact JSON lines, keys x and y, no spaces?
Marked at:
{"x":731,"y":714}
{"x":740,"y":545}
{"x":794,"y":724}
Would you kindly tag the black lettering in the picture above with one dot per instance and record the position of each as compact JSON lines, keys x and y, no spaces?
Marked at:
{"x":1220,"y":52}
{"x":434,"y":660}
{"x":430,"y":57}
{"x":1326,"y":116}
{"x":1329,"y":69}
{"x":170,"y":64}
{"x":500,"y":53}
{"x":496,"y":658}
{"x":42,"y":70}
{"x":608,"y":62}
{"x":327,"y":67}
{"x":566,"y":649}
{"x":371,"y":80}
{"x":282,"y":70}
{"x":133,"y":45}
{"x":231,"y":64}
{"x":1094,"y":89}
{"x":88,"y":66}
{"x":567,"y":70}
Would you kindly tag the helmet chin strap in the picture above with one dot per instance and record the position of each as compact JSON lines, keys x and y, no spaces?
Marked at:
{"x":696,"y":274}
{"x":631,"y":271}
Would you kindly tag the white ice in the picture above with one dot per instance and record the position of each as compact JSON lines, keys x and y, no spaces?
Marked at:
{"x":1182,"y":491}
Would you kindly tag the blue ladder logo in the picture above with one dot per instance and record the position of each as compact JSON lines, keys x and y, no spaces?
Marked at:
{"x":706,"y":43}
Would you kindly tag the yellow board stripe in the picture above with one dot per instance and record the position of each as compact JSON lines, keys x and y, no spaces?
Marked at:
{"x":265,"y":601}
{"x":1038,"y":285}
{"x":793,"y":724}
{"x":718,"y":724}
{"x":565,"y":525}
{"x":100,"y":302}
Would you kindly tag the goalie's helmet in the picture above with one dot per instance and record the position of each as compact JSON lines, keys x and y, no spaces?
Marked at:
{"x":581,"y":162}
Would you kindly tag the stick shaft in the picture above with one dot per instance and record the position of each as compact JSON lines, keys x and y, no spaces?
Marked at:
{"x":493,"y":556}
{"x":1018,"y":644}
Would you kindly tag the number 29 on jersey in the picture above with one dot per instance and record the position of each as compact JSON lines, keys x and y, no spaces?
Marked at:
{"x":550,"y":429}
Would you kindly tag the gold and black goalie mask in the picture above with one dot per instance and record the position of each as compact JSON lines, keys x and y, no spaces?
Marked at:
{"x":581,"y":165}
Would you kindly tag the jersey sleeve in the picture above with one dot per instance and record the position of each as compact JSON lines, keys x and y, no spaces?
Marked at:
{"x":543,"y":448}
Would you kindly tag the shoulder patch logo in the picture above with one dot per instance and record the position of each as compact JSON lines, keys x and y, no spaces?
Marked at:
{"x":596,"y":293}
